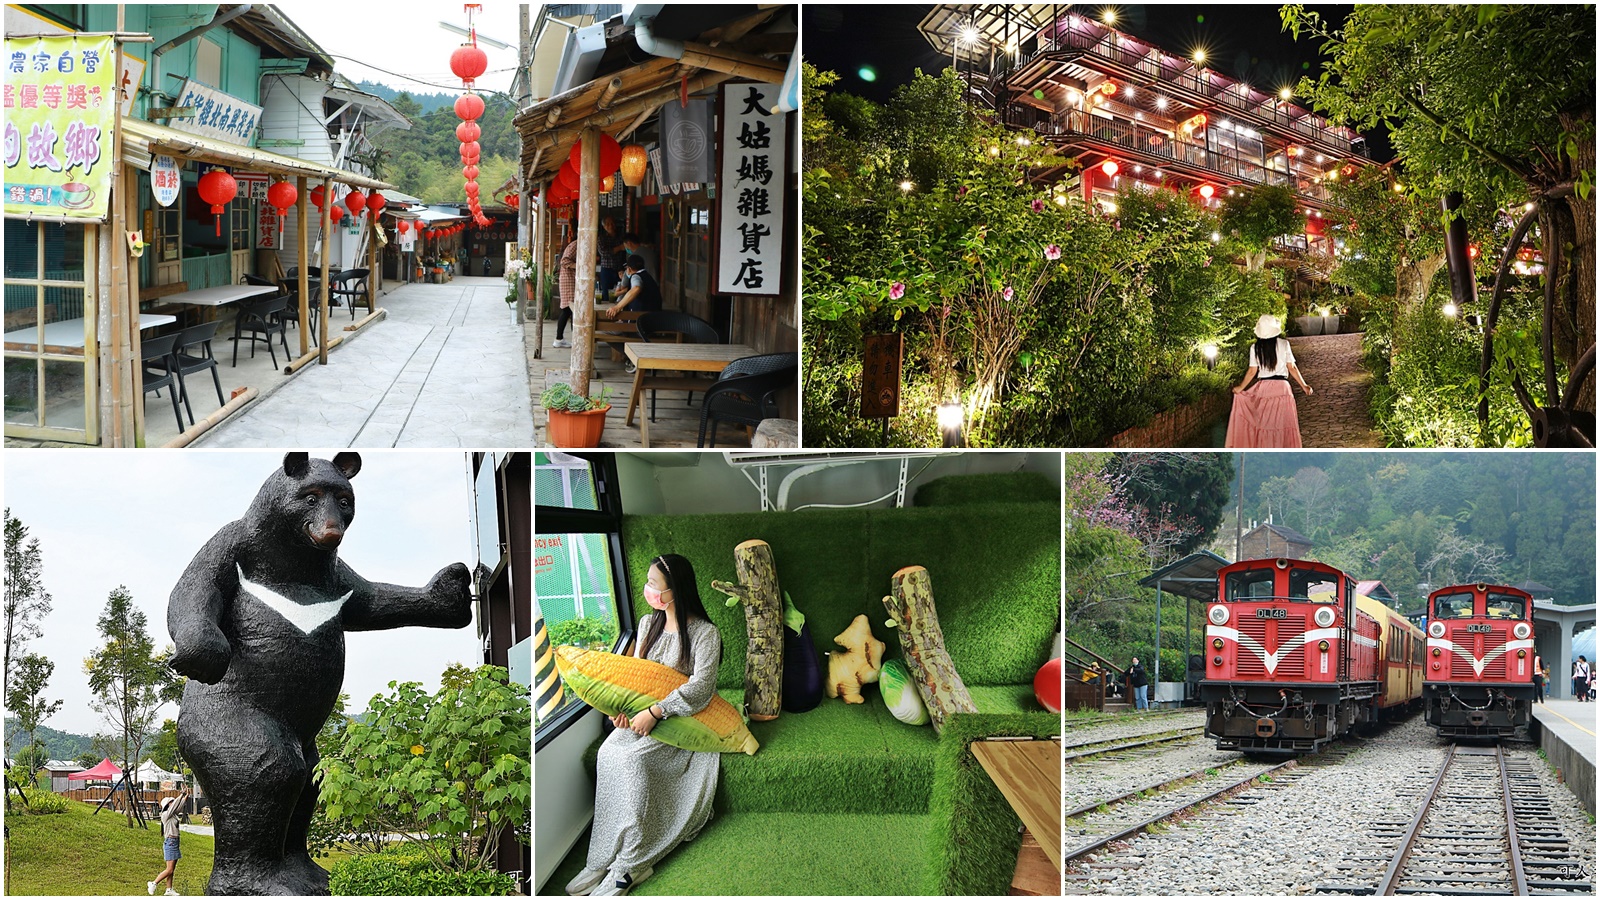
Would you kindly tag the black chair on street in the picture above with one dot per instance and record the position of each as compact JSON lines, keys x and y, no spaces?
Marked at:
{"x":660,"y":326}
{"x":258,"y":322}
{"x":747,"y":391}
{"x":351,"y":285}
{"x":191,"y":354}
{"x":155,"y":355}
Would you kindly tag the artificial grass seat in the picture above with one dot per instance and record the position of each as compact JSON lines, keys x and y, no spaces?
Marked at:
{"x":1006,"y":487}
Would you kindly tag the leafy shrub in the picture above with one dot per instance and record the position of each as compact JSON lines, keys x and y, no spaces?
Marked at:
{"x":407,"y":874}
{"x":584,"y":633}
{"x":40,"y":803}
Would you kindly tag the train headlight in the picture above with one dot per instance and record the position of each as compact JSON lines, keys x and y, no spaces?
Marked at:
{"x":1323,"y":616}
{"x":1521,"y":630}
{"x":1218,"y":615}
{"x":1216,"y":644}
{"x":1522,"y":654}
{"x":1323,"y":646}
{"x":1436,"y":629}
{"x":1436,"y":651}
{"x":1216,"y":660}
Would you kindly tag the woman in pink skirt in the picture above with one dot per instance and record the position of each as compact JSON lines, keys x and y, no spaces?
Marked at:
{"x":1264,"y":414}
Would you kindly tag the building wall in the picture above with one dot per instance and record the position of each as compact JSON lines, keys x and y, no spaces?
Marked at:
{"x":1263,"y":544}
{"x":241,"y":60}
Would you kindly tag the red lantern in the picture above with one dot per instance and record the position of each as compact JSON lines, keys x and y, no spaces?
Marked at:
{"x":469,"y":153}
{"x":375,"y":203}
{"x":470,"y":172}
{"x":404,"y":226}
{"x":469,"y":107}
{"x":282,"y":195}
{"x":610,"y":155}
{"x":472,"y":189}
{"x":316,"y":197}
{"x":468,"y":131}
{"x":217,"y":188}
{"x":569,"y":177}
{"x":512,"y":200}
{"x":335,"y":213}
{"x":468,"y":62}
{"x":355,"y":201}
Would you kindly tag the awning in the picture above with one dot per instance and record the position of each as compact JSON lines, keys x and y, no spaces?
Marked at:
{"x":141,"y":139}
{"x":430,"y":216}
{"x":1194,"y":576}
{"x":103,"y":772}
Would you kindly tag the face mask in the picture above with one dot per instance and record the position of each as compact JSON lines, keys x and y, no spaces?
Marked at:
{"x":653,"y":597}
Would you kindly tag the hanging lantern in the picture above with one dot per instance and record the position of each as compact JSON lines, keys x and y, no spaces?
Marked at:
{"x":316,"y":197}
{"x":469,"y":107}
{"x":1110,"y":167}
{"x":469,"y":172}
{"x":404,"y":226}
{"x":217,"y":188}
{"x":472,"y":189}
{"x":1207,"y":191}
{"x":282,"y":195}
{"x":356,"y":202}
{"x":468,"y":131}
{"x":469,"y":153}
{"x":468,"y":62}
{"x":607,"y":183}
{"x":569,"y":177}
{"x":634,"y":159}
{"x":513,"y":200}
{"x":610,"y":155}
{"x":375,"y":204}
{"x":335,"y":213}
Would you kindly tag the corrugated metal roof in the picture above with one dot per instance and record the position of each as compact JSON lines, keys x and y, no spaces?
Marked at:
{"x":170,"y":141}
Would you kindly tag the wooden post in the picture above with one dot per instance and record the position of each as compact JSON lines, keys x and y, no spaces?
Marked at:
{"x":588,"y":254}
{"x":302,"y":271}
{"x":133,"y":364}
{"x":912,"y":614}
{"x":541,"y":261}
{"x":322,"y":302}
{"x":758,"y":592}
{"x":372,"y":264}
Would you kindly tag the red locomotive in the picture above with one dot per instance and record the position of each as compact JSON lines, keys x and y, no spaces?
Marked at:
{"x":1296,"y":657}
{"x":1480,"y":660}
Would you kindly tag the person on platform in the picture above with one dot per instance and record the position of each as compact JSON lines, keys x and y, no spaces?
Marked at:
{"x":1538,"y":679}
{"x":1580,"y":679}
{"x":1140,"y":682}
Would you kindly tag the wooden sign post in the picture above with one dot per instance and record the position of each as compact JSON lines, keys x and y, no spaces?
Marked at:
{"x":880,"y":378}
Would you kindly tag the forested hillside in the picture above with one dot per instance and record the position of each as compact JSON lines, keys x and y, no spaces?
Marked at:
{"x":425,"y":161}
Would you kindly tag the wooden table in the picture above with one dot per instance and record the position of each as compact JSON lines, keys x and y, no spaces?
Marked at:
{"x":1028,"y":773}
{"x":68,"y":333}
{"x":678,"y":358}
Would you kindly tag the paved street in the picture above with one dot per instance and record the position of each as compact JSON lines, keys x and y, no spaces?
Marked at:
{"x":1337,"y":415}
{"x":445,"y":369}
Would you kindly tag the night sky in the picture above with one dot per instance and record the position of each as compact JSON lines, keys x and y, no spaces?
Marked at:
{"x":1242,"y":41}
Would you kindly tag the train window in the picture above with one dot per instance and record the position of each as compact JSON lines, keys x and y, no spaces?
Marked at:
{"x":1318,"y":587}
{"x":1453,"y":606}
{"x":1252,"y":584}
{"x":1505,"y":606}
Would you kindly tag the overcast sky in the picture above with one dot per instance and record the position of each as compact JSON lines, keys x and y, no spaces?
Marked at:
{"x":405,"y":37}
{"x":137,"y":518}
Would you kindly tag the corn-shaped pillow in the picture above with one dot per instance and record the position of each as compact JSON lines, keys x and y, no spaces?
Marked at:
{"x":615,"y":684}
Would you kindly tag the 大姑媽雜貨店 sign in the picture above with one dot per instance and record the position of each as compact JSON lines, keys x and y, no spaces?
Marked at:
{"x":750,"y":190}
{"x":60,"y":117}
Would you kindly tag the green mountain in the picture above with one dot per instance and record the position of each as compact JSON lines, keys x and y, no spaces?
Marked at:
{"x":57,"y":744}
{"x":427,"y":102}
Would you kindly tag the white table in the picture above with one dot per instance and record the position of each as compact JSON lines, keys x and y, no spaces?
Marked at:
{"x":69,"y":332}
{"x":220,"y":295}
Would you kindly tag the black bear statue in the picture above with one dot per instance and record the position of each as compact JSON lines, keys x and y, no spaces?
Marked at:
{"x":258,"y":622}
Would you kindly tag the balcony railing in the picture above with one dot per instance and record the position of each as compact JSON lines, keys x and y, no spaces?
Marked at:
{"x":1151,"y":146}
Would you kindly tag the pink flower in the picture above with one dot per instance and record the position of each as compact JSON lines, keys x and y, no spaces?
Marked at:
{"x":1008,"y":293}
{"x":1038,"y":205}
{"x":961,"y":191}
{"x":1206,"y":264}
{"x":897,"y":290}
{"x":1052,"y":252}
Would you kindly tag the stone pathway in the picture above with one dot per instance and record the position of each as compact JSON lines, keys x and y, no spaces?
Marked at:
{"x":445,"y":369}
{"x":1337,"y":415}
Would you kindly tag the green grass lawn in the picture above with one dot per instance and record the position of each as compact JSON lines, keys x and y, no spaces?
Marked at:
{"x":78,"y":852}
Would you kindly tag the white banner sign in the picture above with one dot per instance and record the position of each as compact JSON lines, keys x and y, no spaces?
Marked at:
{"x":217,"y":115}
{"x":750,"y":191}
{"x":165,"y":179}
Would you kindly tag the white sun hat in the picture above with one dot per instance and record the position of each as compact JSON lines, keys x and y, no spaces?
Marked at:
{"x":1267,"y":327}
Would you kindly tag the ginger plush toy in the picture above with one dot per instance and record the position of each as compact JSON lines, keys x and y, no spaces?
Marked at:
{"x":857,"y":665}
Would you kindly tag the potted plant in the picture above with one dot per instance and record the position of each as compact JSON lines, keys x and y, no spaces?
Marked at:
{"x":575,"y":420}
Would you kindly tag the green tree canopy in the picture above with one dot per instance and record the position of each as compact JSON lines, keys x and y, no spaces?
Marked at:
{"x":129,"y":679}
{"x":26,"y":600}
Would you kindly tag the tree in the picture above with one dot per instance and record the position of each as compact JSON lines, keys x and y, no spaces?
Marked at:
{"x":451,"y":773}
{"x":129,"y":679}
{"x":25,"y":698}
{"x":89,"y":759}
{"x":32,"y":758}
{"x":1489,"y":100}
{"x":26,"y":600}
{"x":1394,"y":241}
{"x":164,"y":748}
{"x":1191,"y":488}
{"x":328,"y":832}
{"x":1258,"y":216}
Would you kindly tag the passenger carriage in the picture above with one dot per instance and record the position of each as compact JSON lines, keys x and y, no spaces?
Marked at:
{"x":1479,"y":675}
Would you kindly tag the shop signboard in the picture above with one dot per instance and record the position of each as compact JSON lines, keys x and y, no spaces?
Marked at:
{"x":751,"y":184}
{"x":165,"y":179}
{"x":266,"y":226}
{"x":24,"y":21}
{"x":60,"y":117}
{"x":217,"y":115}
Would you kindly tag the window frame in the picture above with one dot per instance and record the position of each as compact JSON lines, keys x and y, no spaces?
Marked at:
{"x":606,"y":520}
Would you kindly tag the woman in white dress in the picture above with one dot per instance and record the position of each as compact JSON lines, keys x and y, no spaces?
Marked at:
{"x":1264,"y":414}
{"x":650,"y":797}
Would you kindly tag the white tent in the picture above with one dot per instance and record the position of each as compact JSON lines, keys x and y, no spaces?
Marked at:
{"x":150,"y":773}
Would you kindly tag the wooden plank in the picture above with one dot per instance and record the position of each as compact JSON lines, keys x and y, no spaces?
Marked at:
{"x":1028,"y":773}
{"x":1035,"y":876}
{"x":686,"y":357}
{"x":162,"y":290}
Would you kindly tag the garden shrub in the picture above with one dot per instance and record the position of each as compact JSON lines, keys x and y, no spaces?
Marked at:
{"x":40,"y":803}
{"x":592,"y":633}
{"x":397,"y":873}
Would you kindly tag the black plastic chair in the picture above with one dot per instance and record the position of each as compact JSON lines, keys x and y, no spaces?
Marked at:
{"x":196,"y":337}
{"x":291,"y":293}
{"x":747,"y":391}
{"x":259,"y":321}
{"x":155,"y":355}
{"x":658,"y":325}
{"x":351,"y":284}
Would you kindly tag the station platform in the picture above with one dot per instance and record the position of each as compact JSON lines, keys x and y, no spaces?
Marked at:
{"x":1566,"y":731}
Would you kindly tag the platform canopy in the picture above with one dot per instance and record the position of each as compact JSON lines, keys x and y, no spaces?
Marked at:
{"x":1194,"y":576}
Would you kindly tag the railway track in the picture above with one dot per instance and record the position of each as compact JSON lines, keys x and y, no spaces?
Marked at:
{"x":1483,"y":828}
{"x":1074,"y":752}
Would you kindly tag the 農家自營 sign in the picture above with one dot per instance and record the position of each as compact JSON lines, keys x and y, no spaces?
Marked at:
{"x":217,"y":115}
{"x":60,"y":117}
{"x":750,"y":187}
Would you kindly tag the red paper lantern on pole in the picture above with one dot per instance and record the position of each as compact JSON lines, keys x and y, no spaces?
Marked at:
{"x":355,"y":201}
{"x":468,"y":62}
{"x":513,"y":200}
{"x":568,"y":176}
{"x":472,"y":189}
{"x":470,"y":173}
{"x":217,"y":188}
{"x":469,"y":153}
{"x":375,"y":203}
{"x":403,"y":227}
{"x":335,"y":213}
{"x":610,"y":155}
{"x":469,"y":107}
{"x":282,"y":195}
{"x":317,"y":197}
{"x":468,"y":131}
